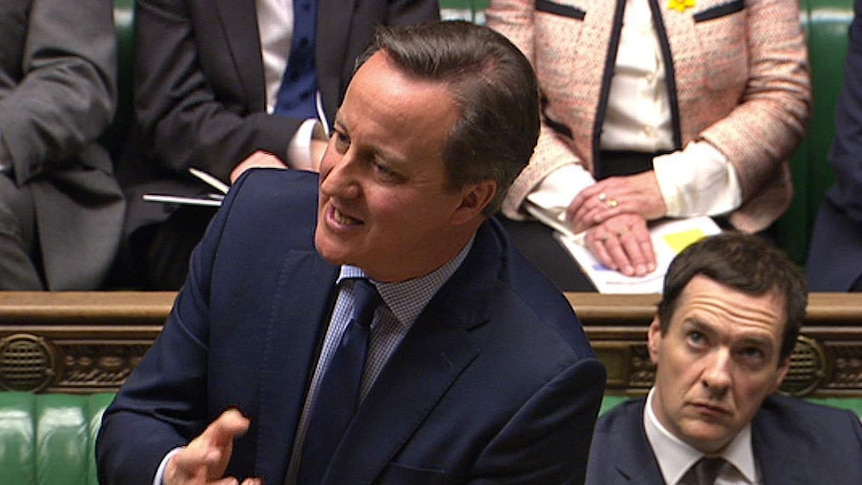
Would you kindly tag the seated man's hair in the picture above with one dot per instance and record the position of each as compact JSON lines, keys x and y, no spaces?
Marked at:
{"x":746,"y":263}
{"x":495,"y":88}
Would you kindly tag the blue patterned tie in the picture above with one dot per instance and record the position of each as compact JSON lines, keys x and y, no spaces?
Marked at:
{"x":338,"y":394}
{"x":296,"y":95}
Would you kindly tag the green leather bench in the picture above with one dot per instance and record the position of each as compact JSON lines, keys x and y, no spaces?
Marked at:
{"x":48,"y":439}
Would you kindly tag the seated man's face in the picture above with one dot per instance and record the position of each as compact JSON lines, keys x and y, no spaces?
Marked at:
{"x":717,"y":362}
{"x":384,"y":202}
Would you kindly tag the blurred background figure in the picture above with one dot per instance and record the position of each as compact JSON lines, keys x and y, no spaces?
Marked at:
{"x":653,"y":110}
{"x":61,"y":209}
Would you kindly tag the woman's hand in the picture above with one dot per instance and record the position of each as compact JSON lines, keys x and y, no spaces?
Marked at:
{"x":622,"y":242}
{"x":633,"y":194}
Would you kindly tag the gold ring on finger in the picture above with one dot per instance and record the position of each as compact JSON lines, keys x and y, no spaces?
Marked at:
{"x":613,"y":203}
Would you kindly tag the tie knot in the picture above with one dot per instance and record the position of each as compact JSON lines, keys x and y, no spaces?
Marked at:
{"x":706,"y":469}
{"x":366,"y":299}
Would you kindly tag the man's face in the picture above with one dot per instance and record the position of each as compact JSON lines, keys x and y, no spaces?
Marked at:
{"x":717,"y":362}
{"x":384,"y":202}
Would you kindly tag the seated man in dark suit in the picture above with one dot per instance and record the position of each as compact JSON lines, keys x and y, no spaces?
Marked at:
{"x":61,"y":209}
{"x":727,"y":323}
{"x":477,"y":370}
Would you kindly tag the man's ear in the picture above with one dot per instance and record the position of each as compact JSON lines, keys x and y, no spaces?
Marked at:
{"x":783,"y":368}
{"x":654,"y":337}
{"x":474,"y":199}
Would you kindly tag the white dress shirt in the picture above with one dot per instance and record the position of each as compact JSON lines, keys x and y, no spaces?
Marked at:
{"x":675,"y":457}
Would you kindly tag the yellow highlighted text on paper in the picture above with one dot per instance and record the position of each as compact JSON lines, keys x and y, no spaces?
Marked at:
{"x":680,"y":240}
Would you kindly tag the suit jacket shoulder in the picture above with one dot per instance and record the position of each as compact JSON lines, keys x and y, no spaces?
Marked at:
{"x":799,"y":442}
{"x":794,"y":441}
{"x":620,"y":452}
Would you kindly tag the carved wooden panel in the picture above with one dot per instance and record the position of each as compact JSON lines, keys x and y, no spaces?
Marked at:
{"x":90,"y":341}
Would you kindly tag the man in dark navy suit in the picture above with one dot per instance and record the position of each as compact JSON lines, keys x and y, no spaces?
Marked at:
{"x":477,"y":370}
{"x":835,"y":257}
{"x":727,"y":323}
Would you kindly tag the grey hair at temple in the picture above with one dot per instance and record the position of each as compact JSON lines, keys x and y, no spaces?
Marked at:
{"x":494,"y":86}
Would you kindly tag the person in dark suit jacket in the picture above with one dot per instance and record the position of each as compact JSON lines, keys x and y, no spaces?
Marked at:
{"x":482,"y":373}
{"x":61,"y":209}
{"x":721,"y":340}
{"x":207,"y":76}
{"x":838,"y":228}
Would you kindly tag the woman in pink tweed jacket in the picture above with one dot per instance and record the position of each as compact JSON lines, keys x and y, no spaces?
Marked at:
{"x":715,"y":92}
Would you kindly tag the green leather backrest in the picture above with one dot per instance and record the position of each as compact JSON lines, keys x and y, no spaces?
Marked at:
{"x":826,"y":24}
{"x":116,"y":135}
{"x":471,"y":10}
{"x":49,"y":439}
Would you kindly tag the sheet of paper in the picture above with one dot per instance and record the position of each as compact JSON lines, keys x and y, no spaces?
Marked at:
{"x":209,"y":200}
{"x":669,"y":237}
{"x":210,"y":180}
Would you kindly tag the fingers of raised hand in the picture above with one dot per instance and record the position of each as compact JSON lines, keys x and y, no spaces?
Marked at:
{"x":229,"y":425}
{"x":205,"y":458}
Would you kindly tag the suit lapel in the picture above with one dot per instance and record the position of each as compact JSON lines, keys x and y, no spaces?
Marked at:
{"x":422,"y":369}
{"x":778,"y":464}
{"x":239,"y":22}
{"x":435,"y":351}
{"x":637,"y":463}
{"x":299,"y":314}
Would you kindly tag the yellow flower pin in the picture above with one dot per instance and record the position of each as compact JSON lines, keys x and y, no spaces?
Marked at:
{"x":680,"y":5}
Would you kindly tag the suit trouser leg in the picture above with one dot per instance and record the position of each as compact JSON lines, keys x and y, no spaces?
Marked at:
{"x":19,"y":251}
{"x":170,"y":245}
{"x":536,"y":242}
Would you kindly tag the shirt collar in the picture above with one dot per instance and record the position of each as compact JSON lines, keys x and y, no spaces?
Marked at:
{"x":407,"y":299}
{"x":675,"y":457}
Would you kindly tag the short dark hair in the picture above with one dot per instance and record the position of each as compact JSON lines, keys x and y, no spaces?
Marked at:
{"x":747,"y":263}
{"x":494,"y":86}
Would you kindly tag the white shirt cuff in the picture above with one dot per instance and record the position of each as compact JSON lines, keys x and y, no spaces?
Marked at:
{"x":557,"y":190}
{"x":159,"y":479}
{"x":299,"y":149}
{"x":697,"y":181}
